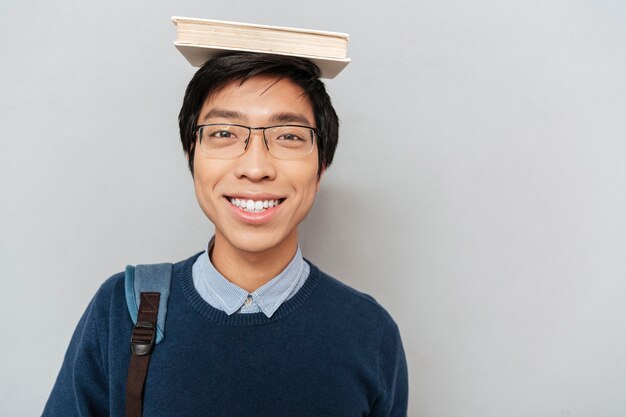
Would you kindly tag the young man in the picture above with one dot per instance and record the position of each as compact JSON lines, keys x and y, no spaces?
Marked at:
{"x":253,"y":329}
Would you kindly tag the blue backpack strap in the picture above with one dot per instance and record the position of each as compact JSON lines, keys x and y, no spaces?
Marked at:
{"x":148,"y":278}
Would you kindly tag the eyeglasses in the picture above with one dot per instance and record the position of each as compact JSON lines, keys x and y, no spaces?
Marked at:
{"x":227,"y":141}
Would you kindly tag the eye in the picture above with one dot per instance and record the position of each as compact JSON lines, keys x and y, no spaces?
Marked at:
{"x":290,"y":136}
{"x":222,"y":134}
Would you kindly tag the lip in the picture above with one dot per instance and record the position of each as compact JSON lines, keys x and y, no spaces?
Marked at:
{"x":262,"y":217}
{"x":255,"y":196}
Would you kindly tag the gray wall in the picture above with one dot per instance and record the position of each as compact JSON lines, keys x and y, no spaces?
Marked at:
{"x":478,"y":191}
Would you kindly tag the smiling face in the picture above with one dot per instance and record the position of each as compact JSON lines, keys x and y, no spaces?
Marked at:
{"x":256,"y":201}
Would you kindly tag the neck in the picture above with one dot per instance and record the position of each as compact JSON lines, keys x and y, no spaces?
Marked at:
{"x":251,"y":270}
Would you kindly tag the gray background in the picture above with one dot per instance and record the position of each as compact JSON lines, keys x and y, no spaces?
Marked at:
{"x":478,"y":191}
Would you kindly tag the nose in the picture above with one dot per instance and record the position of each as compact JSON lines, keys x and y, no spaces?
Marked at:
{"x":256,"y":164}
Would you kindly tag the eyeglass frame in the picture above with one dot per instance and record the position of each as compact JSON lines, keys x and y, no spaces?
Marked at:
{"x":316,"y":134}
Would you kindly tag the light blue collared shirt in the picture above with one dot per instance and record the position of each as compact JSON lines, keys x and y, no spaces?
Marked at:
{"x":222,"y":294}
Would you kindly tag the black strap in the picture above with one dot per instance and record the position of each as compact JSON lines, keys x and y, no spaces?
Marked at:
{"x":141,"y":344}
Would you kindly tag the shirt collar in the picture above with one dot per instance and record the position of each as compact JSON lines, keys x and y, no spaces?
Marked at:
{"x":231,"y":298}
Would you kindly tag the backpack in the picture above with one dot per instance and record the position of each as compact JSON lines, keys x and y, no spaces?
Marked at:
{"x":147,"y":289}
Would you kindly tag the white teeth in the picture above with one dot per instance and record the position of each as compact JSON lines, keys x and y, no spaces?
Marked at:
{"x":252,"y":205}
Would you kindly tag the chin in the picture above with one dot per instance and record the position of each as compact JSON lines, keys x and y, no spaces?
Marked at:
{"x":254,"y":240}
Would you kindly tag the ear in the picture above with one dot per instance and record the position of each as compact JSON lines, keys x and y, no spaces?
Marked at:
{"x":319,"y":179}
{"x":187,"y":155}
{"x":191,"y":150}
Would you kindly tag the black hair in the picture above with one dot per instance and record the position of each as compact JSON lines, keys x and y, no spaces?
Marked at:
{"x":216,"y":73}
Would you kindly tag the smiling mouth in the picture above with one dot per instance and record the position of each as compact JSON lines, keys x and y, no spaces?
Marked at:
{"x":254,"y":206}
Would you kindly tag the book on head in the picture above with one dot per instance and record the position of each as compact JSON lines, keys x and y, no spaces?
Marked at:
{"x":202,"y":39}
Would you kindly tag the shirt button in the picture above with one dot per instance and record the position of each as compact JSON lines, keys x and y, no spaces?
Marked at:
{"x":248,"y":301}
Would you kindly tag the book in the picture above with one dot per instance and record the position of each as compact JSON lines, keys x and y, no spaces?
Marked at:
{"x":202,"y":39}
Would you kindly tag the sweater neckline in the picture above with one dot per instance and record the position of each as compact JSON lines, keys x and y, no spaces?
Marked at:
{"x":237,"y":319}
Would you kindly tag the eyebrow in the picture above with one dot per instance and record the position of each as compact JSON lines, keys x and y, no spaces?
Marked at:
{"x":223,"y":114}
{"x":285,"y":117}
{"x":290,"y":118}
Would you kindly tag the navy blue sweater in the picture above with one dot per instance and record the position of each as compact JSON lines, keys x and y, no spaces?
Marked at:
{"x":328,"y":351}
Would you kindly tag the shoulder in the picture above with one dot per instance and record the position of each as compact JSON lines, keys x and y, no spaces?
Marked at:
{"x":350,"y":302}
{"x":111,"y":296}
{"x":110,"y":287}
{"x":115,"y":284}
{"x":106,"y":305}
